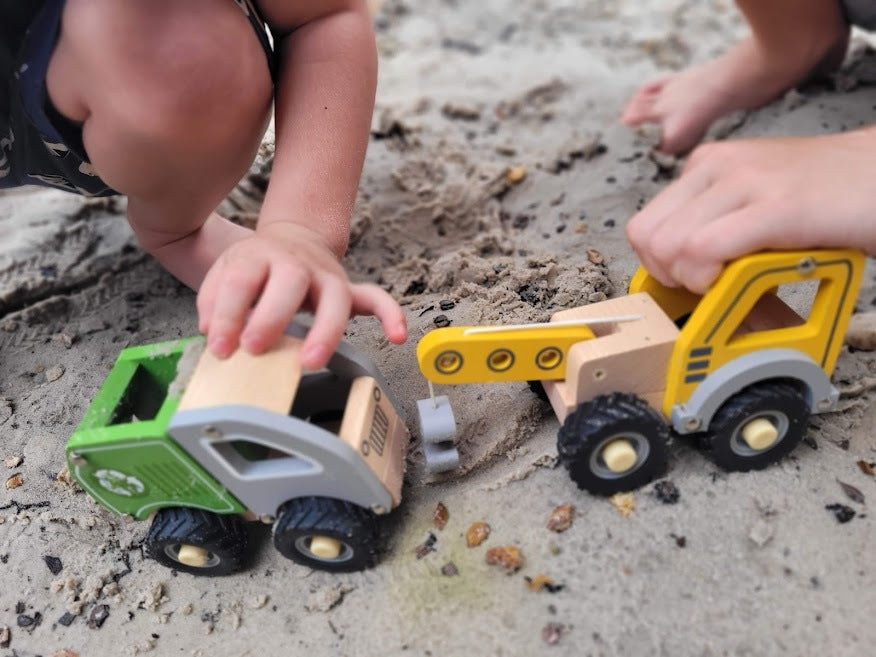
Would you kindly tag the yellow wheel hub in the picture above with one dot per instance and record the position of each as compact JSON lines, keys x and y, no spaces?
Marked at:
{"x":325,"y":547}
{"x":760,"y":434}
{"x":619,"y":455}
{"x":192,"y":555}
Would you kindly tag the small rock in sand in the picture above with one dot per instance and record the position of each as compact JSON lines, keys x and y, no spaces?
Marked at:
{"x":328,"y":597}
{"x":861,"y":333}
{"x":54,"y":373}
{"x":761,"y":533}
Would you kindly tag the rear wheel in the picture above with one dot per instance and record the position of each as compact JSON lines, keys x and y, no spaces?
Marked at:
{"x":327,"y":534}
{"x":197,"y":541}
{"x":757,"y":426}
{"x":614,"y":443}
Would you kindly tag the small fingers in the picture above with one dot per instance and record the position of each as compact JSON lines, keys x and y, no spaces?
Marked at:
{"x":281,"y":298}
{"x":745,"y":230}
{"x":680,"y":237}
{"x":370,"y":299}
{"x":640,"y":108}
{"x":237,"y":288}
{"x":681,"y":132}
{"x":207,"y":297}
{"x":332,"y":304}
{"x":646,"y":226}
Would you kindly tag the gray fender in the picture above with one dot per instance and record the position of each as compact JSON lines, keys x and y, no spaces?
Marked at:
{"x":350,"y":362}
{"x":696,"y":414}
{"x":318,"y":463}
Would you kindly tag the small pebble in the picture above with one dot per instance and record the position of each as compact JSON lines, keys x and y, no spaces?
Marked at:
{"x":24,"y":620}
{"x":426,"y":546}
{"x":441,"y":321}
{"x":515,"y":175}
{"x":67,"y":619}
{"x":439,"y":518}
{"x":666,"y":491}
{"x":760,"y":533}
{"x":625,"y":503}
{"x":505,"y":556}
{"x":542,"y":583}
{"x":98,"y":616}
{"x":53,"y":563}
{"x":841,"y":512}
{"x":561,"y":518}
{"x":552,"y":632}
{"x":449,"y":569}
{"x":64,"y":339}
{"x":861,"y":333}
{"x":54,"y":373}
{"x":477,"y":534}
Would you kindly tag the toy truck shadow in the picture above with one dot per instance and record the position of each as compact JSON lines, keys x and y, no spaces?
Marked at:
{"x":737,"y":368}
{"x":317,"y":455}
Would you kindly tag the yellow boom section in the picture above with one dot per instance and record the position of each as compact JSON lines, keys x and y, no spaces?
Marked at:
{"x":483,"y":354}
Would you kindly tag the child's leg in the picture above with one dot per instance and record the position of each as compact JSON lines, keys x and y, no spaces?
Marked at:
{"x":790,"y":40}
{"x":174,"y":98}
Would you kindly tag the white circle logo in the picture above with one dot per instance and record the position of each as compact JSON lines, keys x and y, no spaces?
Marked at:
{"x":120,"y":483}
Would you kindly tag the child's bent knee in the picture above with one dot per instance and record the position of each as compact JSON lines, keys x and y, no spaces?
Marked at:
{"x":177,"y":94}
{"x":169,"y":66}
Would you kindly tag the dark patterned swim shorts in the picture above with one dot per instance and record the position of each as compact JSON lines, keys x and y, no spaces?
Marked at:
{"x":38,"y":146}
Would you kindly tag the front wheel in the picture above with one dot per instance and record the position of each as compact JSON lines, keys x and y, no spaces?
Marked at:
{"x":197,"y":541}
{"x":327,"y":534}
{"x":614,"y":443}
{"x":757,"y":426}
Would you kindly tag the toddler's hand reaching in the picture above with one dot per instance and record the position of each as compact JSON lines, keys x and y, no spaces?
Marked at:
{"x":256,"y":286}
{"x":739,"y":197}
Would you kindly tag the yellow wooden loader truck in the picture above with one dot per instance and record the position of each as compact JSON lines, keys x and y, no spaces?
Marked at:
{"x":737,"y":367}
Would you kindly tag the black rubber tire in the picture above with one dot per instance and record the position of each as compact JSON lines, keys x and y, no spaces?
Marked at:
{"x":596,"y":423}
{"x":356,"y":528}
{"x":770,"y":399}
{"x":224,"y":536}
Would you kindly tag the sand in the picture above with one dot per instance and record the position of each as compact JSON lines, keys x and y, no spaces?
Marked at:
{"x":741,"y":564}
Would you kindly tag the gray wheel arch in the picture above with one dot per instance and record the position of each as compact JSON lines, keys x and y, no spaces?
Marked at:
{"x":697,"y":412}
{"x":319,"y":464}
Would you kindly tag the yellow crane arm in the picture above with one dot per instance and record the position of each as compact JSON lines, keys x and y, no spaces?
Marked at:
{"x":484,"y":354}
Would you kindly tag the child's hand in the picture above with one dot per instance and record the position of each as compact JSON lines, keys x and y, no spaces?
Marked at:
{"x":257,"y":285}
{"x":740,"y":197}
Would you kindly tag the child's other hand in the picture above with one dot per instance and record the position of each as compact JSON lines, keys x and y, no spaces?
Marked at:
{"x":739,"y":197}
{"x":256,"y":286}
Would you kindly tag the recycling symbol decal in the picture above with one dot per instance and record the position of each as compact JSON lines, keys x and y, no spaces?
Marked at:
{"x":120,"y":483}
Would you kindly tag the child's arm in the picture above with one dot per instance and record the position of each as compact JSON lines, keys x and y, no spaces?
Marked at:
{"x":324,"y":100}
{"x":740,"y":197}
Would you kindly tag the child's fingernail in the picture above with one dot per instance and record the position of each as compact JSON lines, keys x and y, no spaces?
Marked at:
{"x":252,"y":343}
{"x":218,"y":345}
{"x":315,"y":354}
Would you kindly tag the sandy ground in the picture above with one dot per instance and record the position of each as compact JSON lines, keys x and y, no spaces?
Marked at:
{"x":742,"y":564}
